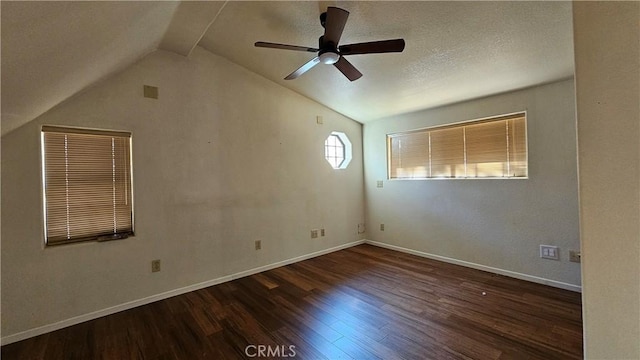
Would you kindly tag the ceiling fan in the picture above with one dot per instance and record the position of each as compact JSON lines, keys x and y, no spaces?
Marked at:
{"x":328,"y":50}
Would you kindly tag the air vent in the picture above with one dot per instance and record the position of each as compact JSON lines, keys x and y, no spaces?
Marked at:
{"x":151,"y":92}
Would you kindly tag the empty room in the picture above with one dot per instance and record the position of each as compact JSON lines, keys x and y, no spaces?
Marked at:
{"x":320,"y":180}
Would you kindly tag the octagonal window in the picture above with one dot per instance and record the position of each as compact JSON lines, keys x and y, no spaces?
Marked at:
{"x":337,"y":150}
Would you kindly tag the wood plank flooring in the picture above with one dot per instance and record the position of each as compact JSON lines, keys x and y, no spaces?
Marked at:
{"x":364,"y":302}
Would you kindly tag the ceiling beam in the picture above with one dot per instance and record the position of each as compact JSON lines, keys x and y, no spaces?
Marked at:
{"x":189,"y":24}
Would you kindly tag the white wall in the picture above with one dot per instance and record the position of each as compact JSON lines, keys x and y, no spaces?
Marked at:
{"x":494,"y":223}
{"x":223,"y":158}
{"x":607,"y":50}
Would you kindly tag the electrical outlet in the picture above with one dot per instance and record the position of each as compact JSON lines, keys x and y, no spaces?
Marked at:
{"x":381,"y":227}
{"x":380,"y":184}
{"x":319,"y":120}
{"x":155,"y":265}
{"x":314,"y":233}
{"x":321,"y":232}
{"x":361,"y":228}
{"x":574,"y":256}
{"x":549,"y":252}
{"x":258,"y":244}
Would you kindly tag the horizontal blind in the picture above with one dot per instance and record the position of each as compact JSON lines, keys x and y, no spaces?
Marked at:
{"x":518,"y":147}
{"x":407,"y":156}
{"x":87,"y":184}
{"x":491,"y":148}
{"x":447,"y":153}
{"x":486,"y":148}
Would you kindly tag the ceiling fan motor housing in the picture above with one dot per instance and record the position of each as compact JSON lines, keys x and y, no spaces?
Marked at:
{"x":328,"y":52}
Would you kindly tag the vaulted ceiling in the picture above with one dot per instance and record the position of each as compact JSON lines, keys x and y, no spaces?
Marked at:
{"x":455,"y":51}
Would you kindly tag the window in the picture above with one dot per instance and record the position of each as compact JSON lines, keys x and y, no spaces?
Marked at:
{"x":337,"y":150}
{"x":334,"y":151}
{"x":489,"y":148}
{"x":87,"y":184}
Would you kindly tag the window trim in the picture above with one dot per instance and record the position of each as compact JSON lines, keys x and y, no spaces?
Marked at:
{"x":485,"y":119}
{"x":89,"y":131}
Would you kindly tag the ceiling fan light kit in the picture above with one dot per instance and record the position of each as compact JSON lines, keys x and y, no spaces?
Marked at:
{"x":329,"y":58}
{"x":330,"y":53}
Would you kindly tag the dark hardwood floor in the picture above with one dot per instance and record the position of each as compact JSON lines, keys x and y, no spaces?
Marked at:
{"x":364,"y":302}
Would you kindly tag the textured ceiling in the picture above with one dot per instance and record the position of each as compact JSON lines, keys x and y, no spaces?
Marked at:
{"x":455,"y":51}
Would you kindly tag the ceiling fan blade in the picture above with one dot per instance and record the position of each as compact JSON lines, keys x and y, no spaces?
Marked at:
{"x":348,"y":69}
{"x":334,"y":24}
{"x":384,"y":46}
{"x":284,"y":46}
{"x":304,"y":68}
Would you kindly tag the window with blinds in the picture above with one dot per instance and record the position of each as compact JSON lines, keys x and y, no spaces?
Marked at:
{"x":489,"y":148}
{"x":87,"y":185}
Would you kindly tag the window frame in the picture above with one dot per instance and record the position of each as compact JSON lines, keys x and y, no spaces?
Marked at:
{"x":460,"y":124}
{"x":96,"y":237}
{"x":347,"y":151}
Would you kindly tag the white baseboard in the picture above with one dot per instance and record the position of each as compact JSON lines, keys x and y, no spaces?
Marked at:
{"x":165,"y":295}
{"x":513,"y":274}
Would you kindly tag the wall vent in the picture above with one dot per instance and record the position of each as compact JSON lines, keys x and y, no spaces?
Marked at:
{"x":151,"y":92}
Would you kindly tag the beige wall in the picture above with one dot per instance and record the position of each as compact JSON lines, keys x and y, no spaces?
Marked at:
{"x":607,"y":39}
{"x":493,"y":223}
{"x":223,"y":158}
{"x":204,"y":197}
